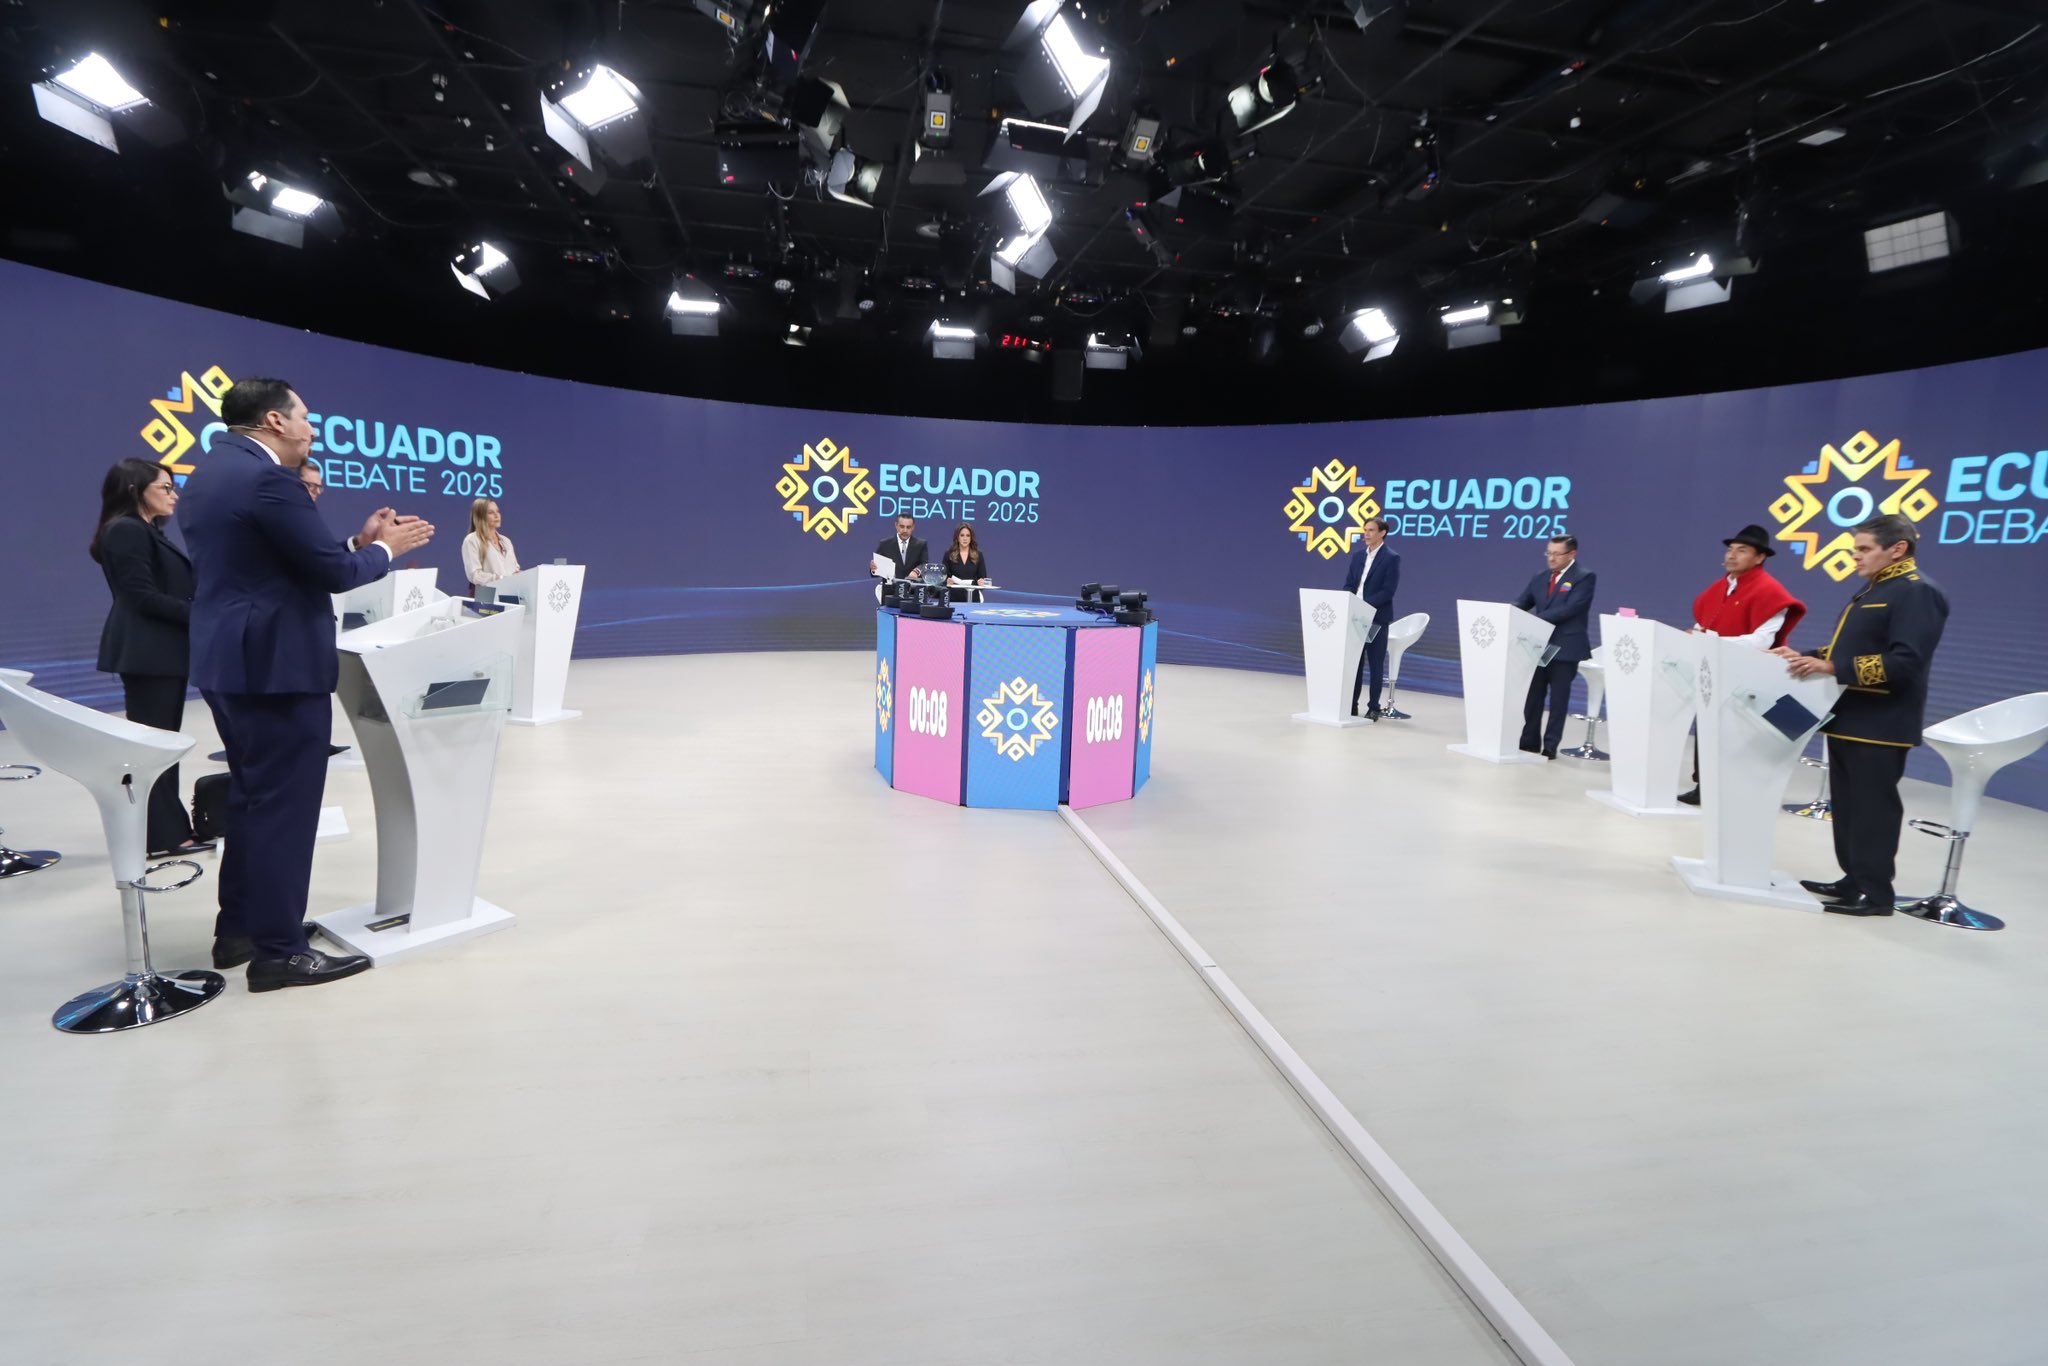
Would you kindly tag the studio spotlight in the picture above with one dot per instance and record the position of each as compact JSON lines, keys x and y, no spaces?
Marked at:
{"x":854,"y":179}
{"x":1366,"y":13}
{"x":950,"y":341}
{"x":818,"y":110}
{"x":1476,"y":324}
{"x":1110,"y":351}
{"x":1042,"y":150}
{"x":277,"y":212}
{"x":1370,"y":330}
{"x":936,"y":132}
{"x":592,"y":114}
{"x":758,"y":156}
{"x":1265,"y":98}
{"x":1697,"y":281}
{"x":485,"y":271}
{"x":693,"y":308}
{"x":91,"y":99}
{"x":1140,"y":145}
{"x":1022,"y":248}
{"x":1062,"y":72}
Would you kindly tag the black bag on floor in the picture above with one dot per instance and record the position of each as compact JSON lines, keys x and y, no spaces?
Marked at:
{"x":210,"y":806}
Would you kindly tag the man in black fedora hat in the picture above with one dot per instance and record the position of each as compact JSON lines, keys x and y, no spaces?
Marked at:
{"x":1747,"y":604}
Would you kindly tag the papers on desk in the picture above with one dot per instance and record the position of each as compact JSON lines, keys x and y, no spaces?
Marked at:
{"x":952,"y":582}
{"x":881,"y":566}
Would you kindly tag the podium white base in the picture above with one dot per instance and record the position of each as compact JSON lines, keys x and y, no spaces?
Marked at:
{"x":1518,"y":757}
{"x":333,"y":825}
{"x":350,"y":929}
{"x":547,"y":719}
{"x":1784,"y":889}
{"x":1606,"y":797}
{"x":1341,"y":723}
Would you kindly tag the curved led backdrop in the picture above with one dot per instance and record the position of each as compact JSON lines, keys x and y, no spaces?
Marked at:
{"x":712,"y":526}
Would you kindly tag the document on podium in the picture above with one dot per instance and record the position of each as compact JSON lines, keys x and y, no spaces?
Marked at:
{"x":881,"y":566}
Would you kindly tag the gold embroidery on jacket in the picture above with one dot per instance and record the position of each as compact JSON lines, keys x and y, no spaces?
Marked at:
{"x":1869,"y":670}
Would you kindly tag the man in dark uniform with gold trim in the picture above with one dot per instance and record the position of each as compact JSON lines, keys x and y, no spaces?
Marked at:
{"x":1880,"y":653}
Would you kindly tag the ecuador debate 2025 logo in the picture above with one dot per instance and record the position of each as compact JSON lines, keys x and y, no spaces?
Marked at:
{"x":1328,"y":511}
{"x":1017,"y":719}
{"x":1848,"y":485}
{"x":167,"y":433}
{"x":825,"y":489}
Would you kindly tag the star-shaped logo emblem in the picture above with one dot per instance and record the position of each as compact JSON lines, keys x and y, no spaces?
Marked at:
{"x":1145,"y":709}
{"x":1482,"y":632}
{"x":1627,"y":655}
{"x":1329,"y":510}
{"x":1834,"y":490}
{"x":1324,"y":616}
{"x":558,"y":596}
{"x":885,"y":696}
{"x":825,"y":490}
{"x":1017,"y":719}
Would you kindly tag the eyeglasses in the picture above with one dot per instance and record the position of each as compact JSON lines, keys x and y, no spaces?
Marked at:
{"x":315,"y":489}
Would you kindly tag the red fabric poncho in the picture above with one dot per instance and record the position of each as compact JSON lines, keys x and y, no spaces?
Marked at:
{"x":1757,"y":598}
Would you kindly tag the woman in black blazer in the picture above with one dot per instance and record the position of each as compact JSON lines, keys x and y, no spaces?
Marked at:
{"x":146,"y":638}
{"x":965,"y":563}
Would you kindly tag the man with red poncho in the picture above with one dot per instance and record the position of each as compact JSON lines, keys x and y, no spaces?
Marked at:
{"x":1748,"y":605}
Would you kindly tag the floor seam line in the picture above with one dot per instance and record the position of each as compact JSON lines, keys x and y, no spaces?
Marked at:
{"x":1507,"y":1315}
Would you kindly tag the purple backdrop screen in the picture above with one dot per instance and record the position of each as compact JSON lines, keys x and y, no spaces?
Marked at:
{"x":714,"y":526}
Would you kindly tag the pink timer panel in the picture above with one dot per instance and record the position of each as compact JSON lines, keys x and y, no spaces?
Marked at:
{"x":931,"y":713}
{"x":1104,"y":735}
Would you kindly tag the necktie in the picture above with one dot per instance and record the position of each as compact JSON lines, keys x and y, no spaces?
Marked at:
{"x":1553,"y":583}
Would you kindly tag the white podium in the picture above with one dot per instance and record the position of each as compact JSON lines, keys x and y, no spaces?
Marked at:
{"x":552,"y":595}
{"x":427,"y":692}
{"x":400,"y":590}
{"x":1499,"y":648}
{"x":1334,"y":627}
{"x":1745,"y":762}
{"x":1651,"y":674}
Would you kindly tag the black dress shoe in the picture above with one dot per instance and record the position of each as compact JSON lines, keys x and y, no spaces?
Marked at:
{"x":1858,"y":904}
{"x":333,"y":750}
{"x":1833,"y":891}
{"x":1549,"y":753}
{"x":195,"y":845}
{"x":308,"y":969}
{"x":1374,"y":712}
{"x":234,"y":950}
{"x":1530,"y":747}
{"x":1691,"y":798}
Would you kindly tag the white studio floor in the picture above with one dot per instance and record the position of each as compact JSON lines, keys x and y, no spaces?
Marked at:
{"x":779,"y":1066}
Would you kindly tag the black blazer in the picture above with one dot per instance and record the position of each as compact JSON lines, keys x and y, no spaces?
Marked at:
{"x":904,"y":564}
{"x":148,"y":631}
{"x":969,"y":570}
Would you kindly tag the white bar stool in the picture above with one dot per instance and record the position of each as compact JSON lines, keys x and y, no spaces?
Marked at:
{"x":1404,"y":632}
{"x":1976,"y":745}
{"x":117,"y":761}
{"x":17,"y":862}
{"x":1594,"y":671}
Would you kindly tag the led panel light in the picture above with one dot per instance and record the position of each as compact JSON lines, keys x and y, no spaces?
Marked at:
{"x":1034,"y":215}
{"x":95,"y":81}
{"x":1078,"y":70}
{"x":1929,"y":237}
{"x":485,"y":271}
{"x":1458,"y":317}
{"x":295,"y":202}
{"x":1699,"y":269}
{"x":605,"y":97}
{"x":1374,"y":325}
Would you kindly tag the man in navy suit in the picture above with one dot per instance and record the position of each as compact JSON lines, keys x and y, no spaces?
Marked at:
{"x":1563,"y":596}
{"x":263,"y":658}
{"x":1373,"y":574}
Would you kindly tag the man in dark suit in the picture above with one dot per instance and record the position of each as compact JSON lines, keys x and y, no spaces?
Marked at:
{"x":904,"y":550}
{"x":1563,"y":596}
{"x":1881,"y":651}
{"x":1373,"y":574}
{"x":263,"y":658}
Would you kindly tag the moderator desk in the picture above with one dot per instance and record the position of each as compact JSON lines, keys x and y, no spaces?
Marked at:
{"x":1014,"y":706}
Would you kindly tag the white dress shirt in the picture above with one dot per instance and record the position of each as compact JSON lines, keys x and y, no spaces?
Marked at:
{"x":1371,"y":552}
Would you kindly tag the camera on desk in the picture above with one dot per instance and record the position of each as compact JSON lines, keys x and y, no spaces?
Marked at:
{"x":1131,"y":609}
{"x":1099,"y":598}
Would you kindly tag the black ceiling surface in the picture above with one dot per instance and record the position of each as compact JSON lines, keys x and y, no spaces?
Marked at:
{"x":1551,"y":150}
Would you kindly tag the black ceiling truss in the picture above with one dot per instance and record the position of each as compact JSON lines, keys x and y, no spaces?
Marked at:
{"x":420,"y":120}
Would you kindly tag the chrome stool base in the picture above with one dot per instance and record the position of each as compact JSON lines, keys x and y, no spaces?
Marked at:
{"x":1589,"y":747}
{"x":1389,"y":714}
{"x":1819,"y":809}
{"x":17,"y":862}
{"x":1943,"y":909}
{"x":138,"y":1000}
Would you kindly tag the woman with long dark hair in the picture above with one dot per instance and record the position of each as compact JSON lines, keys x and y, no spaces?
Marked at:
{"x":147,"y":636}
{"x":966,"y":568}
